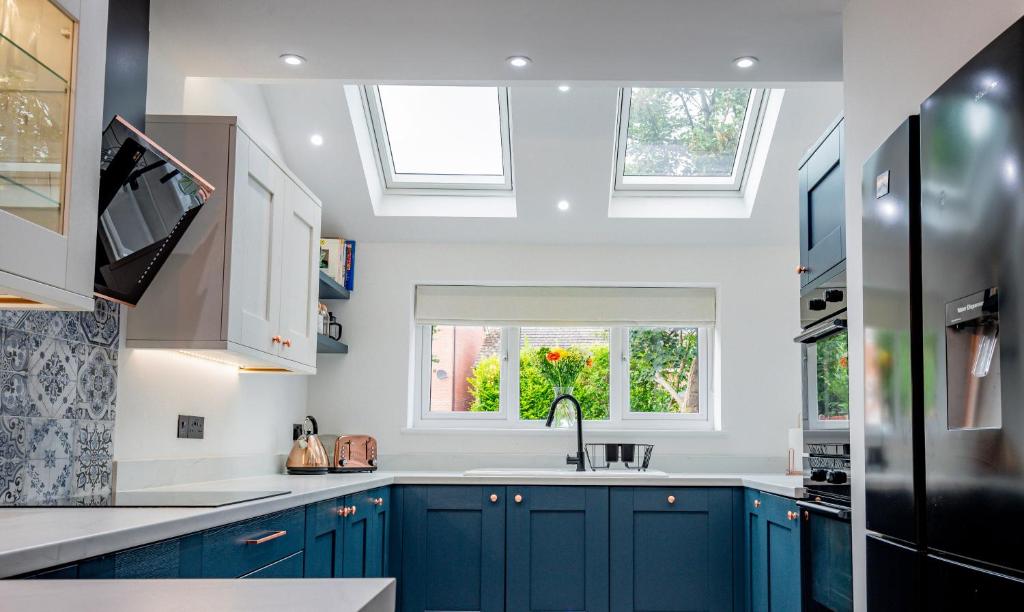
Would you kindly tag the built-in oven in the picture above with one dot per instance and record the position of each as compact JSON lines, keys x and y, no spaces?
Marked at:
{"x":827,"y":550}
{"x":825,"y":354}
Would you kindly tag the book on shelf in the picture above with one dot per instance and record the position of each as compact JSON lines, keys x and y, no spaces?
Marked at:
{"x":349,"y":264}
{"x":332,"y":258}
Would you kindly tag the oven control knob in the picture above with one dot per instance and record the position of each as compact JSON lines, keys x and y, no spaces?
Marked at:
{"x":836,"y":476}
{"x":817,"y":304}
{"x":818,"y":475}
{"x":833,"y":295}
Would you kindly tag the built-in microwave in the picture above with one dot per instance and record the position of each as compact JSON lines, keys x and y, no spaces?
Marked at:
{"x":825,"y":354}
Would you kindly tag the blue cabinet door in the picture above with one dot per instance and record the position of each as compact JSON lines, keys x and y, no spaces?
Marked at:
{"x":557,"y":548}
{"x":325,"y":534}
{"x":772,"y":534}
{"x":673,"y":549}
{"x":453,"y":548}
{"x":379,"y":550}
{"x":822,"y":207}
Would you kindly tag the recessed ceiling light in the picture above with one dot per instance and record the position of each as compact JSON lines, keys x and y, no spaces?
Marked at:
{"x":563,"y":205}
{"x":293,"y":60}
{"x":564,"y":88}
{"x":746,"y":61}
{"x":519,"y":61}
{"x":316,"y":139}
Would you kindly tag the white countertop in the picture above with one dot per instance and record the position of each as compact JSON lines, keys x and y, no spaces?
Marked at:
{"x":342,"y":594}
{"x":38,"y":538}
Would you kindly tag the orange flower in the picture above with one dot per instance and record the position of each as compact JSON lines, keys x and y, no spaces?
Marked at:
{"x":843,"y":361}
{"x":553,"y":356}
{"x":590,"y":362}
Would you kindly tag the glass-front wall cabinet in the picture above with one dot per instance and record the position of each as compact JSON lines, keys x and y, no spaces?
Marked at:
{"x":37,"y":47}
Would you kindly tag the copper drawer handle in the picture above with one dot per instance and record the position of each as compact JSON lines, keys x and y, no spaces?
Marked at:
{"x":671,"y":499}
{"x":287,"y":342}
{"x":518,"y":498}
{"x":494,"y":498}
{"x":275,"y":339}
{"x":757,"y":503}
{"x":267,"y":538}
{"x":802,"y":269}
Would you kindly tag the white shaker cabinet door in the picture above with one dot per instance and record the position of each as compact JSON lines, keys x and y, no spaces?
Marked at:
{"x":258,"y":212}
{"x":299,"y":275}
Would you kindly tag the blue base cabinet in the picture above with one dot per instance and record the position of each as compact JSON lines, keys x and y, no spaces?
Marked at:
{"x":772,"y":535}
{"x":674,"y":549}
{"x":348,"y":537}
{"x":557,"y":548}
{"x":453,"y":548}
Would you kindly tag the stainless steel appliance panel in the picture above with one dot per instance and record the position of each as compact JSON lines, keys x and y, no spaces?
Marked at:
{"x":972,"y":151}
{"x":892,"y":398}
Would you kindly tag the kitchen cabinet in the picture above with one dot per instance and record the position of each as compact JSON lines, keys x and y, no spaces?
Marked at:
{"x":557,"y":555}
{"x":54,"y":57}
{"x":675,"y":548}
{"x":349,"y":537}
{"x":453,"y":548}
{"x":242,"y":284}
{"x":241,"y":548}
{"x":772,"y":536}
{"x":822,"y":206}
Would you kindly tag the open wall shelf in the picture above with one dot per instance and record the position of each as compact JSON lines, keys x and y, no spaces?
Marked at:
{"x":326,"y":344}
{"x":331,"y":289}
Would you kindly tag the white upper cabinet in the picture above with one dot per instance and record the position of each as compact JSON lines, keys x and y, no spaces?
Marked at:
{"x":241,"y":285}
{"x":52,"y":57}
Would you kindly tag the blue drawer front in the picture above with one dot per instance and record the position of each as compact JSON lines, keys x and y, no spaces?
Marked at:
{"x":231,"y":551}
{"x":289,"y":567}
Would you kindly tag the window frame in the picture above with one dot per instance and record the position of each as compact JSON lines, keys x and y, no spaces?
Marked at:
{"x":691,"y":186}
{"x":507,"y":417}
{"x":478,"y":184}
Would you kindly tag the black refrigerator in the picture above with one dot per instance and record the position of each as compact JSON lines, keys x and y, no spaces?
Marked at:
{"x":943,"y":234}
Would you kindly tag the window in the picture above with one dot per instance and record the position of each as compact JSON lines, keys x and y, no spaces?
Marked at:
{"x":470,"y":376}
{"x":686,"y":138}
{"x":441,"y":137}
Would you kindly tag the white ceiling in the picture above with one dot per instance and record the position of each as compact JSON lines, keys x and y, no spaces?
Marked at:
{"x":563,"y":143}
{"x":563,"y":147}
{"x":454,"y":40}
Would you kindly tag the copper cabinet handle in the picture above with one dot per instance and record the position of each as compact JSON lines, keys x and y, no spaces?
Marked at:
{"x":494,"y":498}
{"x":352,"y":510}
{"x":275,"y":339}
{"x":792,"y":515}
{"x":671,"y":499}
{"x":518,"y":498}
{"x":267,"y":538}
{"x":379,"y":501}
{"x":802,"y":269}
{"x":807,"y":515}
{"x":287,"y":342}
{"x":757,"y":503}
{"x":344,"y":511}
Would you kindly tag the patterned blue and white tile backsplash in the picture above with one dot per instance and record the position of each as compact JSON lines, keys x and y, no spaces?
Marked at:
{"x":58,"y":401}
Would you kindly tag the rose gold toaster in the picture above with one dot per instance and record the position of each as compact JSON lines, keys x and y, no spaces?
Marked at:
{"x":354,"y":454}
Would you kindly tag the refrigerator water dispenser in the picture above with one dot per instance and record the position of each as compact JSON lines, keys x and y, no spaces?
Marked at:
{"x":972,"y":362}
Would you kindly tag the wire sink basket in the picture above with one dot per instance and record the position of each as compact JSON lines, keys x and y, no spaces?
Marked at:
{"x":601,"y":455}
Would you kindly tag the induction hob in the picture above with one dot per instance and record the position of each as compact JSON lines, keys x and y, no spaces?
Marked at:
{"x":156,"y":499}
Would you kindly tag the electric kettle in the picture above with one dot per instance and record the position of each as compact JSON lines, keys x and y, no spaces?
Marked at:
{"x":308,"y":455}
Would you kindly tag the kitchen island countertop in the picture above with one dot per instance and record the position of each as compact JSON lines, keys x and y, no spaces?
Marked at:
{"x":341,"y":594}
{"x":39,"y":538}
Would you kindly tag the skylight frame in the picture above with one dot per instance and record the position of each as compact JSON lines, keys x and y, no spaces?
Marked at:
{"x":437,"y":183}
{"x":731,"y":185}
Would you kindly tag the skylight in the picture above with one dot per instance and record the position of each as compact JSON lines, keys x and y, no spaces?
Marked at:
{"x":441,"y":137}
{"x":686,"y":138}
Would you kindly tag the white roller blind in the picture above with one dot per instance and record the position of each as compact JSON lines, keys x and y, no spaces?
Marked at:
{"x":564,"y":306}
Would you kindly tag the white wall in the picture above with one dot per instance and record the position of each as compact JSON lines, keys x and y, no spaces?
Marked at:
{"x":895,"y":54}
{"x":246,"y":414}
{"x":368,"y":391}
